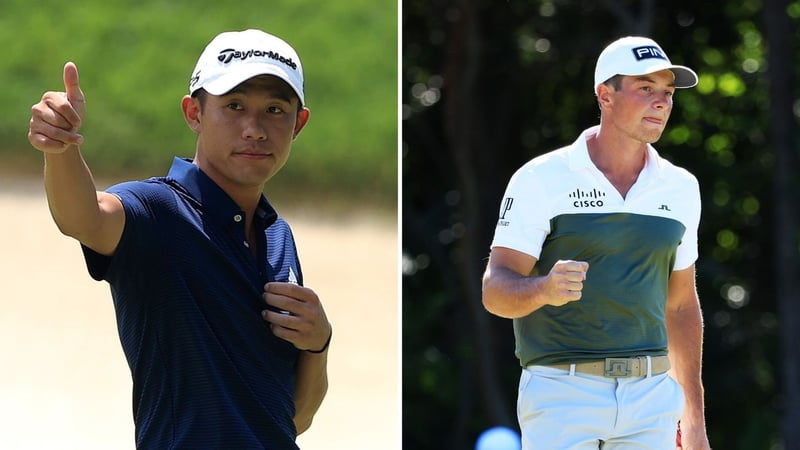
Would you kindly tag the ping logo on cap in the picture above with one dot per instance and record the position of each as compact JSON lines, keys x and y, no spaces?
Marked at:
{"x":648,"y":52}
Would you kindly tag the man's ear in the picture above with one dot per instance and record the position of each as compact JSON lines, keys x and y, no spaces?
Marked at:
{"x":604,"y":92}
{"x":302,"y":120}
{"x":191,"y":112}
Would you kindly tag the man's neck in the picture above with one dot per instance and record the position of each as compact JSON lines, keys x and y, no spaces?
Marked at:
{"x":620,"y":159}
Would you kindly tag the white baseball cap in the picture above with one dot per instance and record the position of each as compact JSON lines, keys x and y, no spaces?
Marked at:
{"x":236,"y":56}
{"x":638,"y":56}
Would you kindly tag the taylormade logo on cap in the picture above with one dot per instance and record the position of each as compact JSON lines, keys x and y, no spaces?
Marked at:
{"x":638,"y":56}
{"x":233,"y":57}
{"x":227,"y":55}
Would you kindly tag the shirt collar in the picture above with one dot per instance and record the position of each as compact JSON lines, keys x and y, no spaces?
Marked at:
{"x":214,"y":202}
{"x":579,"y":155}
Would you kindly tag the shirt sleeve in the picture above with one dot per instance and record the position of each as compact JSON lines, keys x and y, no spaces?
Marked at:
{"x":524,"y":216}
{"x":139,"y":233}
{"x":687,"y":252}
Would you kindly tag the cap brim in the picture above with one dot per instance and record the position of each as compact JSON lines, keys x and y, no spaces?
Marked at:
{"x":684,"y":76}
{"x":231,"y":79}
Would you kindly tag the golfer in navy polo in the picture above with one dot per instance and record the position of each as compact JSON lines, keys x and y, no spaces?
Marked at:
{"x":226,"y":347}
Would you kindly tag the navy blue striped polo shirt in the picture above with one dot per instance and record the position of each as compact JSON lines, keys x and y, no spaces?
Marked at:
{"x":207,"y":371}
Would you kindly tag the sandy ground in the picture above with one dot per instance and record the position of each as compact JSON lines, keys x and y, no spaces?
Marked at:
{"x":64,"y":382}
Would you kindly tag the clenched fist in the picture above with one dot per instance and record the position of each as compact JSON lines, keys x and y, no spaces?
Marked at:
{"x":564,"y":283}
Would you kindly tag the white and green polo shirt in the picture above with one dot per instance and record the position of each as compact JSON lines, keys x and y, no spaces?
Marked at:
{"x":560,"y":206}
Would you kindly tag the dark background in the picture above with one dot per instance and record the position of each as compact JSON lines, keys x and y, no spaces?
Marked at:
{"x":487,"y":85}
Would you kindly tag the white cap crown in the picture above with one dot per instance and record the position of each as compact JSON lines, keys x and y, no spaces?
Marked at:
{"x":236,"y":56}
{"x":638,"y":56}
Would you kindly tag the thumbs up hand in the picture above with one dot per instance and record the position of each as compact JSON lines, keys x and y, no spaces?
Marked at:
{"x":57,"y":118}
{"x":73,"y":90}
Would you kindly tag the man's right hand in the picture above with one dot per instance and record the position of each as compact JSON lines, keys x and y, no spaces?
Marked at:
{"x":565,"y":282}
{"x":96,"y":219}
{"x":511,"y":291}
{"x":57,"y":118}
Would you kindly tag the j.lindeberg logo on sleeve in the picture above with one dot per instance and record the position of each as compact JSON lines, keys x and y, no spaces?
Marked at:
{"x":229,"y":54}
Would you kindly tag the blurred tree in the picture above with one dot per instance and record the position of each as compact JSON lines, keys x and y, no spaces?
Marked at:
{"x":786,"y":191}
{"x":487,"y":86}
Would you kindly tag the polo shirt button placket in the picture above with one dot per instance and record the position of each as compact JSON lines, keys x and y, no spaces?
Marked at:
{"x":238,"y":219}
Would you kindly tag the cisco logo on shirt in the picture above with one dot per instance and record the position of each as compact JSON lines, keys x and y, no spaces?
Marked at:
{"x":590,"y":199}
